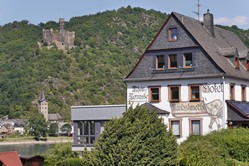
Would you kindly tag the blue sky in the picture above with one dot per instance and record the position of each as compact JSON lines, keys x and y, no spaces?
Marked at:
{"x":226,"y":12}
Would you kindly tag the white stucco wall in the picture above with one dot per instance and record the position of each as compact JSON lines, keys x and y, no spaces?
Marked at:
{"x":212,"y":96}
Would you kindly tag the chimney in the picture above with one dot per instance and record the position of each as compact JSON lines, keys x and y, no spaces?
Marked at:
{"x":208,"y":22}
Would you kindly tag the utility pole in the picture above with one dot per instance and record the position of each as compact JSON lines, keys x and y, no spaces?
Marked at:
{"x":198,"y":10}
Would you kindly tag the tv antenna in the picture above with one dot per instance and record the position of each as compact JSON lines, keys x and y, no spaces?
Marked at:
{"x":198,"y":10}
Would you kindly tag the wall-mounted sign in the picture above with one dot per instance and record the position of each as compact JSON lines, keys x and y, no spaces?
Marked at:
{"x":138,"y":93}
{"x":188,"y":107}
{"x":215,"y":88}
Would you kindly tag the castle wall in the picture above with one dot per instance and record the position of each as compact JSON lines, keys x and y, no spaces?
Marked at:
{"x":63,"y":39}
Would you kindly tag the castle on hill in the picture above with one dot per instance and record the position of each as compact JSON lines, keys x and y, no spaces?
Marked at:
{"x":62,"y":38}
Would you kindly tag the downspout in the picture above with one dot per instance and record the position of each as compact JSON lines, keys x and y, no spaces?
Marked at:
{"x":223,"y":103}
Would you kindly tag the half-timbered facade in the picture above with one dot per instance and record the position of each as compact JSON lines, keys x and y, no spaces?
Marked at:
{"x":197,"y":72}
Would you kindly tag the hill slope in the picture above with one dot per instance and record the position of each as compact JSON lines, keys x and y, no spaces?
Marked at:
{"x":109,"y":44}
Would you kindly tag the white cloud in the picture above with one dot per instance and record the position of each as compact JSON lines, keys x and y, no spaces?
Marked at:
{"x":238,"y":20}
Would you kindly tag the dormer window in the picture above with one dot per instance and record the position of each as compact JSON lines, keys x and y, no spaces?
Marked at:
{"x":237,"y":62}
{"x":172,"y":34}
{"x":188,"y":61}
{"x":173,"y":61}
{"x":160,"y":62}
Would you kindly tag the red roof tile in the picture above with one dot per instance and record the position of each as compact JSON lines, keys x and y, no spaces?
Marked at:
{"x":10,"y":159}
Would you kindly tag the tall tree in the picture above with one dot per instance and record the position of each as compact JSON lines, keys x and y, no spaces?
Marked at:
{"x":37,"y":125}
{"x":138,"y":138}
{"x":53,"y":129}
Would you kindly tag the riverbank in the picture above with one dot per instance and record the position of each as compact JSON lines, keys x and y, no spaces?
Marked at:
{"x":50,"y":140}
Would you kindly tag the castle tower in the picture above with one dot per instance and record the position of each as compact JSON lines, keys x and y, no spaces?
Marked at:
{"x":43,"y":106}
{"x":62,"y":23}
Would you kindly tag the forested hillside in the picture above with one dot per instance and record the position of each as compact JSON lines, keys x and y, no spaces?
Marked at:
{"x":108,"y":46}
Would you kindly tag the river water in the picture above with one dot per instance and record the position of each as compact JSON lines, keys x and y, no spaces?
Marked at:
{"x":27,"y":149}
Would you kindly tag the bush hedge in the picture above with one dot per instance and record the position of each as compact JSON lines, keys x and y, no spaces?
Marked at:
{"x":224,"y":147}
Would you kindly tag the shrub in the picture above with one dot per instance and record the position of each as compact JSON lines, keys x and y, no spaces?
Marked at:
{"x":138,"y":138}
{"x":227,"y":146}
{"x":59,"y":154}
{"x":234,"y":142}
{"x":199,"y":151}
{"x":71,"y":162}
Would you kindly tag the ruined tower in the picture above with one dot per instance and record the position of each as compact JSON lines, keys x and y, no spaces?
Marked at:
{"x":62,"y":23}
{"x":62,"y":38}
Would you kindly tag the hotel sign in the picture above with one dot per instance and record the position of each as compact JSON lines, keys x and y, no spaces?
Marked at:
{"x":216,"y":88}
{"x":138,"y":93}
{"x":188,"y":107}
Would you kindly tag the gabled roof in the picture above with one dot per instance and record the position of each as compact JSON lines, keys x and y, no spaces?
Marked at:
{"x":223,"y":39}
{"x":54,"y":117}
{"x":152,"y":108}
{"x":10,"y":159}
{"x":217,"y":47}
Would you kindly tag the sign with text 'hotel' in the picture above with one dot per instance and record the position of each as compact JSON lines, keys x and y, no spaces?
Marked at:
{"x":188,"y":107}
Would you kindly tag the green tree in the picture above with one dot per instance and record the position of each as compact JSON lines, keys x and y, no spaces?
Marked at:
{"x":66,"y":128}
{"x":53,"y":129}
{"x":62,"y":154}
{"x":37,"y":125}
{"x":138,"y":138}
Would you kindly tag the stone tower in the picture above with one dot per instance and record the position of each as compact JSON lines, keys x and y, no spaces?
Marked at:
{"x":62,"y":23}
{"x":43,"y":106}
{"x":62,"y":38}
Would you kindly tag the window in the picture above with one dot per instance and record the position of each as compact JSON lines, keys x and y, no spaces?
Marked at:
{"x":174,"y":93}
{"x":173,"y":61}
{"x":80,"y":133}
{"x":236,"y":62}
{"x":194,"y":93}
{"x":243,"y":92}
{"x":160,"y":60}
{"x":232,"y":95}
{"x":172,"y":34}
{"x":86,"y":132}
{"x":247,"y":65}
{"x":154,"y":94}
{"x":195,"y":127}
{"x":188,"y":62}
{"x":176,"y":126}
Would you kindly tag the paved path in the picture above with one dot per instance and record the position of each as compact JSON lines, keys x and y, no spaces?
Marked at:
{"x":49,"y":141}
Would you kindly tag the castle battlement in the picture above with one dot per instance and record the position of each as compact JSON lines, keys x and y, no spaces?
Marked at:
{"x":62,"y":38}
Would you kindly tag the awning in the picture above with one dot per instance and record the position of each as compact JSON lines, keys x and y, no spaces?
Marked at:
{"x":237,"y":110}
